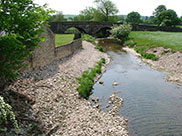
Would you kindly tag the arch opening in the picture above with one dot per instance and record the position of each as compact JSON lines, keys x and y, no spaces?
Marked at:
{"x":73,"y":30}
{"x":103,"y":32}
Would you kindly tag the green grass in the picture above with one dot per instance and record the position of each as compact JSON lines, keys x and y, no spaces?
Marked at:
{"x":87,"y":80}
{"x":148,"y":39}
{"x":62,"y":39}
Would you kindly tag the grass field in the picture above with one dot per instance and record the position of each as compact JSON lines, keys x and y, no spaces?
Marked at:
{"x":61,"y":39}
{"x":148,"y":39}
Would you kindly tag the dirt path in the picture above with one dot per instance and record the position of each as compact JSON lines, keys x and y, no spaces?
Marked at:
{"x":56,"y":103}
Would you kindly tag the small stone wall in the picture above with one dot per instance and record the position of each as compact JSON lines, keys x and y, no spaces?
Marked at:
{"x":68,"y":49}
{"x":155,"y":28}
{"x":47,"y":52}
{"x":44,"y":54}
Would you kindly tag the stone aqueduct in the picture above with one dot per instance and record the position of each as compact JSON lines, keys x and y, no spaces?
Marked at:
{"x":89,"y":27}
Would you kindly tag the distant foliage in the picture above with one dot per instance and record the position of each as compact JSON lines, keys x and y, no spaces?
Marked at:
{"x":58,"y":17}
{"x":22,"y":21}
{"x":133,"y":18}
{"x":87,"y":14}
{"x":7,"y":117}
{"x":105,"y":10}
{"x":87,"y":80}
{"x":121,"y":32}
{"x":167,"y":18}
{"x":158,"y":10}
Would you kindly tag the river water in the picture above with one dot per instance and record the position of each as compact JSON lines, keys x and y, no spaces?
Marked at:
{"x":152,"y":105}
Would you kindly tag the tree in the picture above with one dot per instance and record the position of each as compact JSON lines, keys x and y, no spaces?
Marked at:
{"x":57,"y":17}
{"x":22,"y":22}
{"x":159,"y":9}
{"x":133,"y":18}
{"x":107,"y":8}
{"x":105,"y":11}
{"x":88,"y":13}
{"x":180,"y":20}
{"x":167,"y":18}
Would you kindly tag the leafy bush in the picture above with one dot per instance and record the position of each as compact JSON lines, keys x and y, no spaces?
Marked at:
{"x":99,"y":48}
{"x":22,"y":22}
{"x":7,"y":117}
{"x":121,"y":32}
{"x":146,"y":55}
{"x":87,"y":80}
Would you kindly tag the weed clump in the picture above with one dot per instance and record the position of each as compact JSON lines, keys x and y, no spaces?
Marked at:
{"x":146,"y":55}
{"x":99,"y":48}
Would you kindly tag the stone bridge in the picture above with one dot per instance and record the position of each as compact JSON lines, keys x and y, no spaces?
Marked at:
{"x":88,"y":27}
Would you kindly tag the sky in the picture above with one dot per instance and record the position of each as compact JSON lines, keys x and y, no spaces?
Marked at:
{"x":144,"y":7}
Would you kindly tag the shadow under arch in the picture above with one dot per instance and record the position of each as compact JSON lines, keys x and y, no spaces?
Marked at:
{"x":103,"y":32}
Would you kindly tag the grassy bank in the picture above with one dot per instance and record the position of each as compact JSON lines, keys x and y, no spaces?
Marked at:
{"x":62,"y":39}
{"x":87,"y":79}
{"x":144,"y":40}
{"x":148,"y":39}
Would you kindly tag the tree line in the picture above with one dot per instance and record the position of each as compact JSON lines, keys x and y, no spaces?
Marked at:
{"x":106,"y":10}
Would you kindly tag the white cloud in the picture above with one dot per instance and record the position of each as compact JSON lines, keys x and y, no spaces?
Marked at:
{"x":144,"y":7}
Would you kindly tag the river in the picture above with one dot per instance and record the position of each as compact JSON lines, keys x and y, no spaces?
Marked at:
{"x":152,"y":105}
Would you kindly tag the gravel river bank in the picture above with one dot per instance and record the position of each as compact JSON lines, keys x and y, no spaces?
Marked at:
{"x":56,"y":104}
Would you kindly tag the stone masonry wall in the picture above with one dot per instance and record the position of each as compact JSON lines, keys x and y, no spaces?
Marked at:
{"x":44,"y":54}
{"x":68,"y":49}
{"x":47,"y":52}
{"x":155,"y":28}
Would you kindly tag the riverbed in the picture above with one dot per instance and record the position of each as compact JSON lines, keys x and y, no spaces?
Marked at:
{"x":152,"y":105}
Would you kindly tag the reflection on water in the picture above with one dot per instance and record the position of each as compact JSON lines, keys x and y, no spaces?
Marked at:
{"x":152,"y":105}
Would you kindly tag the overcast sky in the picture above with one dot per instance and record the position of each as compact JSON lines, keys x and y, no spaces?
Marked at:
{"x":144,"y":7}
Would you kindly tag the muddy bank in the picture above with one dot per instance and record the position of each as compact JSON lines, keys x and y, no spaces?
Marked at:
{"x":53,"y":105}
{"x":168,"y":61}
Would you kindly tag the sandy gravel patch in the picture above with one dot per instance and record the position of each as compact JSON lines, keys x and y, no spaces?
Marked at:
{"x":53,"y":104}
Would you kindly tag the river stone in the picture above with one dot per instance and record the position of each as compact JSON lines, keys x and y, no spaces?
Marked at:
{"x":101,"y":82}
{"x":115,"y":83}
